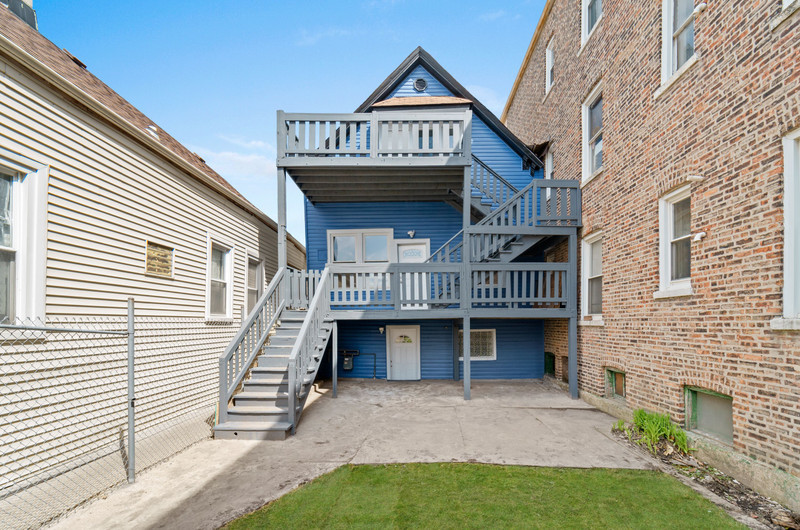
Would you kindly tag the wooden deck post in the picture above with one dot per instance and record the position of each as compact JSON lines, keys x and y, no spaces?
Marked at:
{"x":282,"y":258}
{"x":572,"y":305}
{"x":466,"y":276}
{"x":466,"y":359}
{"x":335,"y":358}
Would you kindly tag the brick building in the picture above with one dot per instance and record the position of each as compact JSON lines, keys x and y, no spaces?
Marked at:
{"x":682,"y":121}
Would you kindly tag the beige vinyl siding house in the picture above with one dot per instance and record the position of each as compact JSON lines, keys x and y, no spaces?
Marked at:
{"x":94,"y":183}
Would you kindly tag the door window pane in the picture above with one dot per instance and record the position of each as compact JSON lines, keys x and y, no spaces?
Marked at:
{"x":376,"y":248}
{"x":5,"y":211}
{"x":344,"y":248}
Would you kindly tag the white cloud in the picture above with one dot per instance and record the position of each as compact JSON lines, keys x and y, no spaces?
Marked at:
{"x":255,"y":145}
{"x":494,"y":15}
{"x":240,"y":165}
{"x":488,"y":97}
{"x":308,"y":38}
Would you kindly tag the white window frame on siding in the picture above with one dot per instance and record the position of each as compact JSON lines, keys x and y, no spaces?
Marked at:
{"x":260,"y":271}
{"x":594,"y":96}
{"x":548,"y":170}
{"x":586,"y":260}
{"x":549,"y":72}
{"x":586,"y":31}
{"x":360,"y":240}
{"x":230,"y":260}
{"x":670,"y":69}
{"x":791,"y":233}
{"x":29,"y":192}
{"x":474,"y":357}
{"x":668,"y":287}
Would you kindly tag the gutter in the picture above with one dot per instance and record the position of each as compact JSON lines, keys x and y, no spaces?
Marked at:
{"x":49,"y":75}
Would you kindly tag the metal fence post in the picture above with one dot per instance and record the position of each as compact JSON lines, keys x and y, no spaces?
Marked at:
{"x":131,"y":398}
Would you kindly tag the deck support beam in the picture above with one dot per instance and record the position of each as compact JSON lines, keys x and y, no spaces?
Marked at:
{"x":466,"y":277}
{"x":572,"y":331}
{"x":467,"y":359}
{"x":282,"y":258}
{"x":335,"y":359}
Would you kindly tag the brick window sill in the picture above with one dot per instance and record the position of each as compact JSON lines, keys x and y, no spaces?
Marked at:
{"x":674,"y":292}
{"x":591,"y":177}
{"x":785,"y":324}
{"x":785,"y":15}
{"x":594,"y":322}
{"x":666,"y":85}
{"x":591,"y":33}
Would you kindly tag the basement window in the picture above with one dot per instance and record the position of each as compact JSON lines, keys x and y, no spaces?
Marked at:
{"x":615,"y":384}
{"x":482,"y":344}
{"x":709,"y":413}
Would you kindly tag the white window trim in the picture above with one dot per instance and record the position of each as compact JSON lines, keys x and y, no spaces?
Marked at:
{"x":359,"y":235}
{"x":548,"y":65}
{"x":791,"y":234}
{"x":230,"y":261}
{"x":586,"y":34}
{"x":669,"y":73}
{"x":669,"y":288}
{"x":494,"y":345}
{"x":548,"y":170}
{"x":588,"y":319}
{"x":587,"y":175}
{"x":30,"y":194}
{"x":260,"y":271}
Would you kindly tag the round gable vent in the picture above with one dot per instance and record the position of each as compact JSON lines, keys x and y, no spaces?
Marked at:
{"x":420,"y":85}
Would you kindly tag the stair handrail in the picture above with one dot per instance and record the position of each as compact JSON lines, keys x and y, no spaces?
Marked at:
{"x":235,"y":361}
{"x":445,"y":251}
{"x":499,"y":200}
{"x":306,"y":342}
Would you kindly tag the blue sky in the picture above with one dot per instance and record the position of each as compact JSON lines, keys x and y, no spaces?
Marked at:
{"x":213,"y":74}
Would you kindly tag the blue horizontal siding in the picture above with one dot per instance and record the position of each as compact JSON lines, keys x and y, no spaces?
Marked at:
{"x":406,"y":87}
{"x":436,"y":221}
{"x":520,"y":348}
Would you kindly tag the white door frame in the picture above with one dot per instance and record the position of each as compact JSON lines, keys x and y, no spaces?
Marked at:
{"x":389,"y":350}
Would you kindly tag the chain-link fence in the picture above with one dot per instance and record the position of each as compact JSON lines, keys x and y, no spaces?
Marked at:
{"x":64,"y":404}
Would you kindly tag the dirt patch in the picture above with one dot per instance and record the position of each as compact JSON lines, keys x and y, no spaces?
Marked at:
{"x":758,"y":507}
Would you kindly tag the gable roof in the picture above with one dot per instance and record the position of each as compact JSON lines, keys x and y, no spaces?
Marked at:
{"x":419,"y":57}
{"x":66,"y":74}
{"x":528,"y":54}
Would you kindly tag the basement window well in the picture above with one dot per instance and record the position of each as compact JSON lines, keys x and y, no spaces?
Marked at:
{"x":709,"y":413}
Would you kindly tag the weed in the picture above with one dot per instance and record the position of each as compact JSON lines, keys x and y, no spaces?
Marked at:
{"x":651,"y":427}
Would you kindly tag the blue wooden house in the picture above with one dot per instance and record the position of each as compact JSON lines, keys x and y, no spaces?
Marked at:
{"x":427,"y":221}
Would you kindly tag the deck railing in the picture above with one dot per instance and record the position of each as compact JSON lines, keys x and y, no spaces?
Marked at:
{"x":245,"y":346}
{"x":301,"y":285}
{"x":519,"y":285}
{"x":380,"y":134}
{"x":307,"y":350}
{"x":490,"y":184}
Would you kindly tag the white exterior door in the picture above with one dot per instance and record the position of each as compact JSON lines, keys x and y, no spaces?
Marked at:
{"x":416,"y":283}
{"x":402,"y":353}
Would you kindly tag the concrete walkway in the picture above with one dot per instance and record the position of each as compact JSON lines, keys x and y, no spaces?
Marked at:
{"x":522,"y":422}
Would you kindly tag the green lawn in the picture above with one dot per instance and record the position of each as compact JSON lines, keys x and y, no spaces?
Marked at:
{"x":484,"y":496}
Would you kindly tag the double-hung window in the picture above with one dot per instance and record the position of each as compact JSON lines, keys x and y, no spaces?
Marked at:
{"x":791,"y":227}
{"x":675,"y":216}
{"x":593,"y":135}
{"x":8,"y":252}
{"x":678,"y":35}
{"x":549,"y":66}
{"x":255,"y":282}
{"x":220,"y":281}
{"x":23,"y":241}
{"x":591,"y":11}
{"x":592,"y":264}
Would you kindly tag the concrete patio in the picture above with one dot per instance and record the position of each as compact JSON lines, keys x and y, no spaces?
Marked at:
{"x":531,"y":423}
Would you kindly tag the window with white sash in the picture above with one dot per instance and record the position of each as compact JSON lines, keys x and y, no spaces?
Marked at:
{"x":593,"y":134}
{"x":591,"y":11}
{"x":255,"y":282}
{"x":675,"y":220}
{"x":23,"y":243}
{"x":791,"y":226}
{"x":592,"y":276}
{"x":219,"y":292}
{"x":549,"y":66}
{"x":677,"y":36}
{"x":360,"y":246}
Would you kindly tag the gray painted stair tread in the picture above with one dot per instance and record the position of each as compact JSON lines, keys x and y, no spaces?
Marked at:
{"x":266,"y":394}
{"x":253,"y":426}
{"x":257,"y":409}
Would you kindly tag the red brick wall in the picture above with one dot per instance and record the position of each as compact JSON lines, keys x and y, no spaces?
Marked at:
{"x":723,"y":120}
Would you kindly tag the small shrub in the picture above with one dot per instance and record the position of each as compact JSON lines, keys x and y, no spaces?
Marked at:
{"x":652,"y":427}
